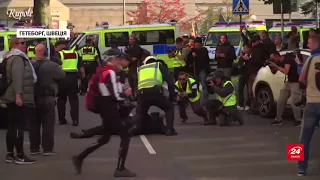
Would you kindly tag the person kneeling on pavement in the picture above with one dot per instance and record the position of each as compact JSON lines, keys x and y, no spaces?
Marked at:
{"x":188,"y":92}
{"x":151,"y":124}
{"x":225,"y":106}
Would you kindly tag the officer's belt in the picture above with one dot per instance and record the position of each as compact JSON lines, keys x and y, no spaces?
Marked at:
{"x":153,"y":89}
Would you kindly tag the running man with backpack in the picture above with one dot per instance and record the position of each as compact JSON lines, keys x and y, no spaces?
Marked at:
{"x":105,"y":99}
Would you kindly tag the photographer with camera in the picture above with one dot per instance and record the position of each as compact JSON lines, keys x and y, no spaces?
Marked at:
{"x":225,"y":106}
{"x":188,"y":92}
{"x":287,"y":65}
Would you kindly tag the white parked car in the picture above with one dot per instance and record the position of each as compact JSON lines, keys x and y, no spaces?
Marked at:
{"x":267,"y":86}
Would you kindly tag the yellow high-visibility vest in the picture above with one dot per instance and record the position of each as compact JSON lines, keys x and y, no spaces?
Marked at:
{"x":230,"y":100}
{"x":69,"y":60}
{"x":88,"y":53}
{"x":31,"y":51}
{"x":149,"y":75}
{"x":177,"y":62}
{"x":188,"y":89}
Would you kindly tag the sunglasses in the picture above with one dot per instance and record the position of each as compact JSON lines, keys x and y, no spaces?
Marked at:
{"x":182,"y":79}
{"x":22,"y":43}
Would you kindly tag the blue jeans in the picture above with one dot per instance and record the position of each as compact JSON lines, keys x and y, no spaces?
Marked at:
{"x":311,"y":116}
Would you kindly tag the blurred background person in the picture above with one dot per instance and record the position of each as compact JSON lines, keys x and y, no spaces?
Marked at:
{"x":243,"y":79}
{"x":135,"y":51}
{"x":46,"y":89}
{"x":225,"y":55}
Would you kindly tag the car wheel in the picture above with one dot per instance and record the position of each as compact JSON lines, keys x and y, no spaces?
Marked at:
{"x":265,"y":102}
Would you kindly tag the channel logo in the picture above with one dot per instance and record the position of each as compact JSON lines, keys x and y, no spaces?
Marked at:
{"x":295,"y":152}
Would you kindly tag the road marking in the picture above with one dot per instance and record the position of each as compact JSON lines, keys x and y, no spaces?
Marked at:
{"x":147,"y":144}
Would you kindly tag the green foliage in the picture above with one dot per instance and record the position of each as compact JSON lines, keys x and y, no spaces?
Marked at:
{"x":309,"y":7}
{"x":268,"y":1}
{"x":212,"y":15}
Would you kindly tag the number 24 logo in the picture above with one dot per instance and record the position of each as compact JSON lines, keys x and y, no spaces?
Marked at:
{"x":295,"y":150}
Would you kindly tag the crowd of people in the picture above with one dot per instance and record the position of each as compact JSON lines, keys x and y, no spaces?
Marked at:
{"x":32,"y":86}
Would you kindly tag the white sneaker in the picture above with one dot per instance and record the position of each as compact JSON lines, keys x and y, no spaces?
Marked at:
{"x":247,"y":108}
{"x":240,"y":108}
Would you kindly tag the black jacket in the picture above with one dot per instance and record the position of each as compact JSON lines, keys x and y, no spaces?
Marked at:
{"x":230,"y":55}
{"x":198,"y":63}
{"x":135,"y":51}
{"x":257,"y":58}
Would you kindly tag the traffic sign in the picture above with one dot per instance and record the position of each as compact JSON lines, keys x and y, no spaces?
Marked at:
{"x":240,"y":7}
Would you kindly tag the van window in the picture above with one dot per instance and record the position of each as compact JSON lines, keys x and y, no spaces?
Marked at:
{"x":94,"y":37}
{"x":155,"y":37}
{"x":118,"y":38}
{"x":1,"y":43}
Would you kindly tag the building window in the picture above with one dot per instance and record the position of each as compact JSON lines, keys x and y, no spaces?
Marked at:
{"x":155,"y":37}
{"x":1,"y":43}
{"x":117,"y":38}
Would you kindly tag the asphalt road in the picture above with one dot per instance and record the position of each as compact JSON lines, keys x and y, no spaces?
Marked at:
{"x":255,"y":151}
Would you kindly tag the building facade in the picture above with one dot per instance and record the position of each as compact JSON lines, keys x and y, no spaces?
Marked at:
{"x":85,"y":14}
{"x":14,"y":11}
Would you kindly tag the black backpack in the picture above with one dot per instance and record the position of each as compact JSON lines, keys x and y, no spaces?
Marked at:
{"x":3,"y":77}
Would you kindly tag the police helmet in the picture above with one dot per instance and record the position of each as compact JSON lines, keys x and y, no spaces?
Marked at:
{"x":149,"y":58}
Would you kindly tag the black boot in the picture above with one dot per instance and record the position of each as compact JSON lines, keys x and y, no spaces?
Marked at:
{"x":124,"y":172}
{"x":77,"y":163}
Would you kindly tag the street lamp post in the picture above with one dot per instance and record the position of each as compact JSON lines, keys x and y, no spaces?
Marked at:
{"x":124,"y":11}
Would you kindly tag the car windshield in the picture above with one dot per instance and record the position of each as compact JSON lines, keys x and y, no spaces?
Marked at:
{"x":213,"y":38}
{"x":75,"y":41}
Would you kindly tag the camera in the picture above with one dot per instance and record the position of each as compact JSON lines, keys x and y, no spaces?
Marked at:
{"x":210,"y":79}
{"x":268,"y":62}
{"x":171,"y":51}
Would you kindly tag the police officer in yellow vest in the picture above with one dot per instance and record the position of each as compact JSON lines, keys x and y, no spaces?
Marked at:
{"x":179,"y":55}
{"x":90,"y":61}
{"x":68,"y":88}
{"x":186,"y":40}
{"x":188,"y":92}
{"x":225,"y":107}
{"x":151,"y":76}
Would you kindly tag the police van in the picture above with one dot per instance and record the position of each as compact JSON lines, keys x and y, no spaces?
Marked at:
{"x":7,"y":33}
{"x":158,"y":39}
{"x":303,"y":30}
{"x":232,"y":30}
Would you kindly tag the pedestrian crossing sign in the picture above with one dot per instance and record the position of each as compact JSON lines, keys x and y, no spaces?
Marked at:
{"x":240,"y":7}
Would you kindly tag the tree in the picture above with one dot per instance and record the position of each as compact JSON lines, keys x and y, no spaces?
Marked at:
{"x":162,"y":10}
{"x":40,"y":11}
{"x":158,"y":11}
{"x":217,"y":12}
{"x":268,"y":1}
{"x":207,"y":20}
{"x":309,"y":7}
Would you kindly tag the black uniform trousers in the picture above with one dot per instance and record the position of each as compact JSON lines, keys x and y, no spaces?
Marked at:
{"x":154,"y":97}
{"x":133,"y":79}
{"x":68,"y":88}
{"x":111,"y":120}
{"x":90,"y":69}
